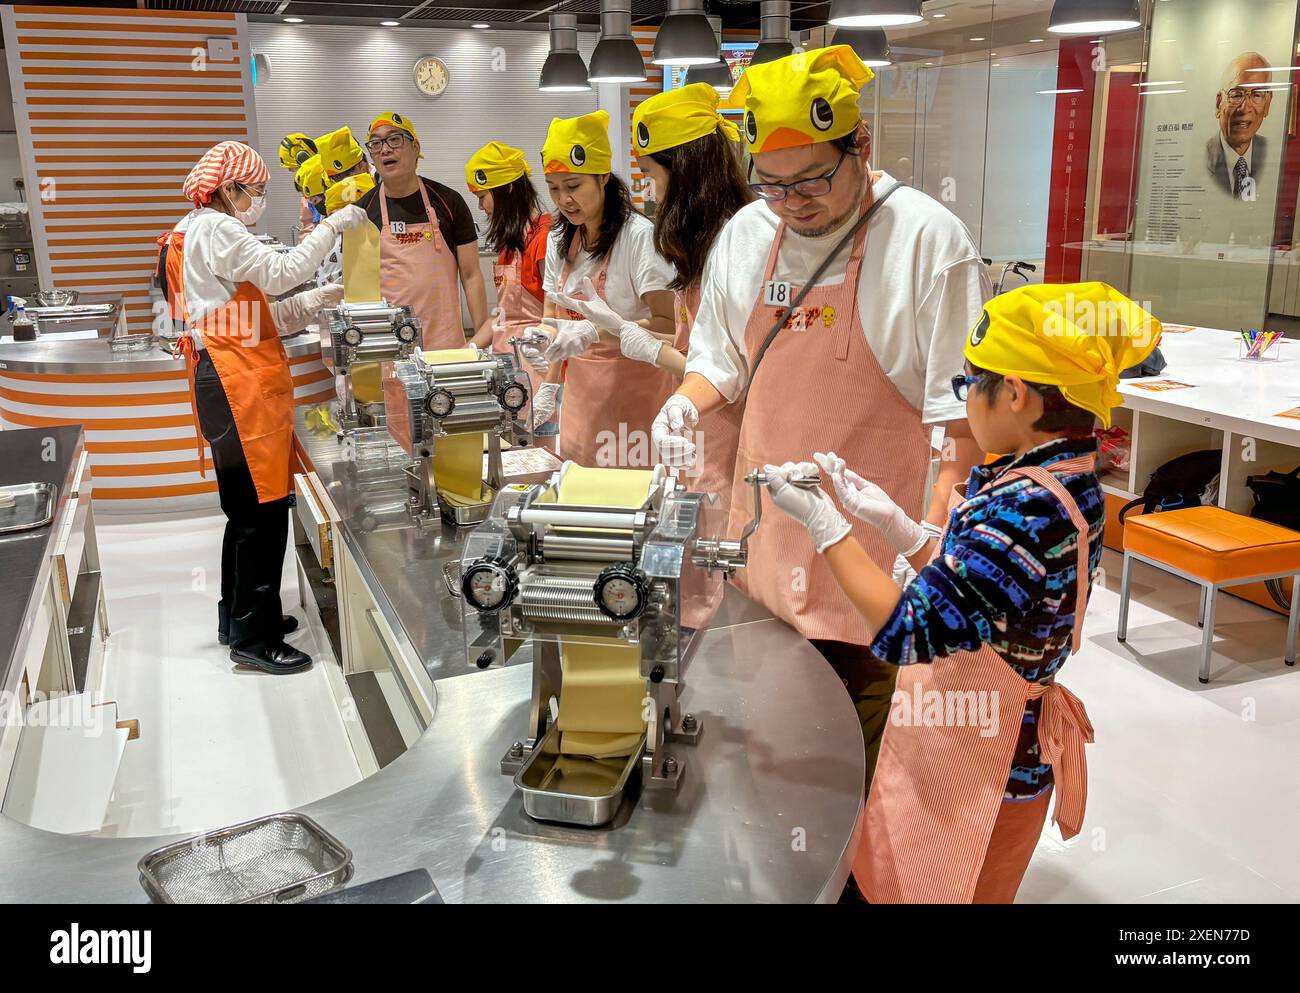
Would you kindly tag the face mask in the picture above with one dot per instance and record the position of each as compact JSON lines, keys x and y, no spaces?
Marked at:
{"x":249,"y":217}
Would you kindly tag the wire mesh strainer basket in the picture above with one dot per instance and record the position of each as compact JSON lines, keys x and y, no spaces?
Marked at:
{"x":283,"y":858}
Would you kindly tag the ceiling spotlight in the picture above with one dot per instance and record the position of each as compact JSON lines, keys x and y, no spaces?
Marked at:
{"x":481,"y":26}
{"x":875,"y":13}
{"x":686,"y":38}
{"x":564,"y":71}
{"x":616,"y":58}
{"x":871,"y":44}
{"x":293,"y":20}
{"x":716,"y":74}
{"x":1094,"y":16}
{"x":774,"y":33}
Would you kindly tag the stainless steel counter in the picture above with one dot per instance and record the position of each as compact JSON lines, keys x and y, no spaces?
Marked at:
{"x":37,"y":455}
{"x":767,"y":810}
{"x":56,"y":355}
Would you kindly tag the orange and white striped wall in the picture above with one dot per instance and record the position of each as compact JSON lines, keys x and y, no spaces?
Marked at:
{"x":139,"y":424}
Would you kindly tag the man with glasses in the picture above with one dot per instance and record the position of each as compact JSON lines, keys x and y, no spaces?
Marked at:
{"x":863,"y":363}
{"x":428,"y":246}
{"x":1237,"y":156}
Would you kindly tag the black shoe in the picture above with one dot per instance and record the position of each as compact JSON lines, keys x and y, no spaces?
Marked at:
{"x":276,"y":659}
{"x":288,"y":622}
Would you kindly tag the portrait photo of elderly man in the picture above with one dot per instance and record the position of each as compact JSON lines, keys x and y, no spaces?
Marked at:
{"x":1237,"y":155}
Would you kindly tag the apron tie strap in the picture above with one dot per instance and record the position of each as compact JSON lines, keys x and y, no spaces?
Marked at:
{"x":1063,"y":730}
{"x":186,"y":348}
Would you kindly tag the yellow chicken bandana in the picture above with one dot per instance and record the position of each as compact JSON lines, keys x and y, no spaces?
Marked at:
{"x":495,"y":165}
{"x":1078,"y":337}
{"x":347,"y":191}
{"x":310,"y":179}
{"x":578,"y":144}
{"x":339,"y":151}
{"x":395,"y":120}
{"x":802,"y":99}
{"x":295,"y":149}
{"x":677,"y":117}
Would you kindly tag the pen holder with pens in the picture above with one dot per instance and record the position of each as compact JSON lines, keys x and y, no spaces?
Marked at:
{"x":1260,"y":346}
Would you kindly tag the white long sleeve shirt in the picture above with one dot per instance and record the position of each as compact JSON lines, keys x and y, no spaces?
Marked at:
{"x":220,"y":253}
{"x":922,"y":287}
{"x":635,"y":269}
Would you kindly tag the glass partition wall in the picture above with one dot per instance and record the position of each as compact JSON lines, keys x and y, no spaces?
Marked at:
{"x":1161,"y":159}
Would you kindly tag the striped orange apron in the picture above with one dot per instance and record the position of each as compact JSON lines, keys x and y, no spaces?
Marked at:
{"x":937,"y":790}
{"x":820,"y":388}
{"x":609,"y":399}
{"x":718,"y":432}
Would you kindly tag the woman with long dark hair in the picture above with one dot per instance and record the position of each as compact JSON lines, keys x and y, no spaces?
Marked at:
{"x":518,"y":228}
{"x":689,"y":153}
{"x":603,"y":248}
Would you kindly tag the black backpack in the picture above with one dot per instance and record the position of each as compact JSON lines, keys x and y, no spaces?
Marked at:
{"x":1277,"y":500}
{"x":1179,"y":483}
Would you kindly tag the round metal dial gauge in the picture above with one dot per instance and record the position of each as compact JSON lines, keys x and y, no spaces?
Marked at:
{"x":440,"y":402}
{"x":406,"y":332}
{"x":352,"y":336}
{"x":621,"y":591}
{"x":514,"y":396}
{"x":489,"y":585}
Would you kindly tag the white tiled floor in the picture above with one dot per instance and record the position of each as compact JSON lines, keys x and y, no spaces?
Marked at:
{"x":218,"y":744}
{"x":1193,"y":791}
{"x":1194,"y":795}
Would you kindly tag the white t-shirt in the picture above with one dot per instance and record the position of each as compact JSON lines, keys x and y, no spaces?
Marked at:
{"x":220,"y":253}
{"x":635,"y":269}
{"x":922,"y":287}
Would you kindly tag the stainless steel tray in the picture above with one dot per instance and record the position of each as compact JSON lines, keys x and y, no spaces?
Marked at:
{"x":590,"y":798}
{"x":33,"y":506}
{"x":283,"y":858}
{"x":141,"y":341}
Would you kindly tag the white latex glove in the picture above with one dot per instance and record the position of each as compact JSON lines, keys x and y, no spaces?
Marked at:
{"x":572,"y":339}
{"x":544,"y":403}
{"x":811,"y":508}
{"x":533,"y":348}
{"x":346,"y":218}
{"x":673,"y":432}
{"x":868,"y":502}
{"x":639,"y":344}
{"x":596,"y":310}
{"x":330,"y":295}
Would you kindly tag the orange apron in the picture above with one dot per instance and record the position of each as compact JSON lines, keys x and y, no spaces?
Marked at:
{"x":244,"y":344}
{"x":417,"y":269}
{"x":521,"y":309}
{"x":937,"y":791}
{"x":820,"y":388}
{"x":610,"y":400}
{"x":172,"y":274}
{"x":718,"y":432}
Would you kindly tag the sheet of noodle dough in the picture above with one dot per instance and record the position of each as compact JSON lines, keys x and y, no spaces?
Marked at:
{"x":458,"y":458}
{"x":366,"y":385}
{"x":601,"y":703}
{"x":361,"y":264}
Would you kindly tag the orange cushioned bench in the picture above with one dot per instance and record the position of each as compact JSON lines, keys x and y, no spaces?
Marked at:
{"x":1214,"y":548}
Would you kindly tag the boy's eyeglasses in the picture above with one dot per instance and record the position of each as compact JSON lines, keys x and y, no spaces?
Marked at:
{"x":392,"y":141}
{"x":818,"y":186}
{"x":961,"y":386}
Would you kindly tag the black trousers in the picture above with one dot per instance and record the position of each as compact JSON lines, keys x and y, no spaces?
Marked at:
{"x":870,"y":684}
{"x":252,"y":549}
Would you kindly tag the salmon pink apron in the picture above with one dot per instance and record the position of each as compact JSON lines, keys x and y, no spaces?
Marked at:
{"x":520,"y":308}
{"x":820,"y":389}
{"x":609,"y":399}
{"x":937,"y":790}
{"x":243,"y":342}
{"x":718,"y":432}
{"x":418,"y":269}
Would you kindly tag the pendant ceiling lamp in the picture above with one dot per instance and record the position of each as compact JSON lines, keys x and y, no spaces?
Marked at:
{"x":1094,"y":16}
{"x":875,"y":13}
{"x":564,"y":71}
{"x":774,"y":40}
{"x":718,"y":74}
{"x":871,"y":44}
{"x":616,"y":58}
{"x":686,"y":38}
